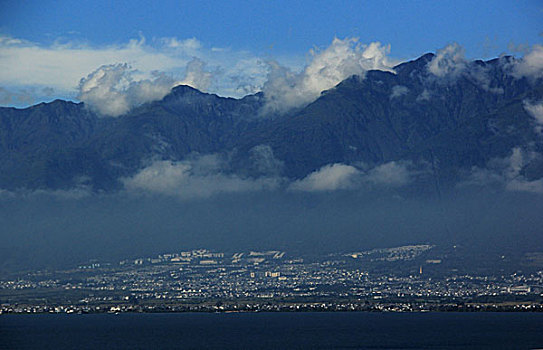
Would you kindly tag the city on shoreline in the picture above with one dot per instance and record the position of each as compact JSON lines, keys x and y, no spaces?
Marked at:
{"x":412,"y":278}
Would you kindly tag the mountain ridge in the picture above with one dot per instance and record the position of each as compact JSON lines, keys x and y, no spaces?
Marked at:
{"x":461,"y":120}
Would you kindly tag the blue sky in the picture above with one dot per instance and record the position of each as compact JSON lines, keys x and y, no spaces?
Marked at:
{"x":227,"y":34}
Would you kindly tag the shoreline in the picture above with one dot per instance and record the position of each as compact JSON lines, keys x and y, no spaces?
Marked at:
{"x":525,"y":307}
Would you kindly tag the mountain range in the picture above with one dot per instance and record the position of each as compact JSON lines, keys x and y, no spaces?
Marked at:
{"x":444,"y":128}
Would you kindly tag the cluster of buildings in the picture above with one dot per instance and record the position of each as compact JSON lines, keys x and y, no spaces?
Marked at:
{"x":202,"y":280}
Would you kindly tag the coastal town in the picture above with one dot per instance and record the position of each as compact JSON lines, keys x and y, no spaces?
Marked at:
{"x":399,"y":279}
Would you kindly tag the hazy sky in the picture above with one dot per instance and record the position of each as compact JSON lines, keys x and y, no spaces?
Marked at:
{"x":46,"y":47}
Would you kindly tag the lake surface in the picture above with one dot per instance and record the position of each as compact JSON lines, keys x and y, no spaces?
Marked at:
{"x":350,"y":330}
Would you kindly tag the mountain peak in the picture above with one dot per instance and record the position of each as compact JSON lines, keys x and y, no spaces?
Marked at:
{"x":417,"y":64}
{"x":183,"y":94}
{"x":185,"y":89}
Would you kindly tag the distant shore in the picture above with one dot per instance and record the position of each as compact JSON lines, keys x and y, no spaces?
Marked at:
{"x":274,"y":306}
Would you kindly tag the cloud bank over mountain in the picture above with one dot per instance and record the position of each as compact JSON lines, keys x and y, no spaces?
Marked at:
{"x":62,"y":65}
{"x":146,"y":69}
{"x":508,"y":173}
{"x":328,"y":178}
{"x":73,"y":69}
{"x":111,"y":91}
{"x":378,"y":124}
{"x":531,"y":65}
{"x":338,"y":176}
{"x":449,"y":61}
{"x":197,"y":177}
{"x":285,"y":89}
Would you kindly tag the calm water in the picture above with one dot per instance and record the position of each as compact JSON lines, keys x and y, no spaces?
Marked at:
{"x":274,"y":331}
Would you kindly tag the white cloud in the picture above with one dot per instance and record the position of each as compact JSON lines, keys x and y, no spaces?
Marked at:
{"x":62,"y":66}
{"x":339,"y":176}
{"x":506,"y":173}
{"x":196,"y":75}
{"x":195,"y":178}
{"x":285,"y":89}
{"x":449,"y":62}
{"x":115,"y":89}
{"x":531,"y":65}
{"x":398,"y":90}
{"x":536,"y":111}
{"x":328,"y":178}
{"x":223,"y":71}
{"x":9,"y":41}
{"x":191,"y":45}
{"x":391,"y":174}
{"x":26,"y":65}
{"x":112,"y":91}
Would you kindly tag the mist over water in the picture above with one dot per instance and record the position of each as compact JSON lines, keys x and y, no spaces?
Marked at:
{"x":44,"y":230}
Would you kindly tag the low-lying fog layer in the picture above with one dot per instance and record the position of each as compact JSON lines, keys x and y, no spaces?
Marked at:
{"x":62,"y":229}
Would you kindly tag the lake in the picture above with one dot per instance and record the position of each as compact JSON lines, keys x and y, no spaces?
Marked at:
{"x":333,"y":330}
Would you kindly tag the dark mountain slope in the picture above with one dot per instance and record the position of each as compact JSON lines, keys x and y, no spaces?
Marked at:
{"x":454,"y":122}
{"x":62,"y":144}
{"x":185,"y":121}
{"x":409,"y":115}
{"x":32,"y":139}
